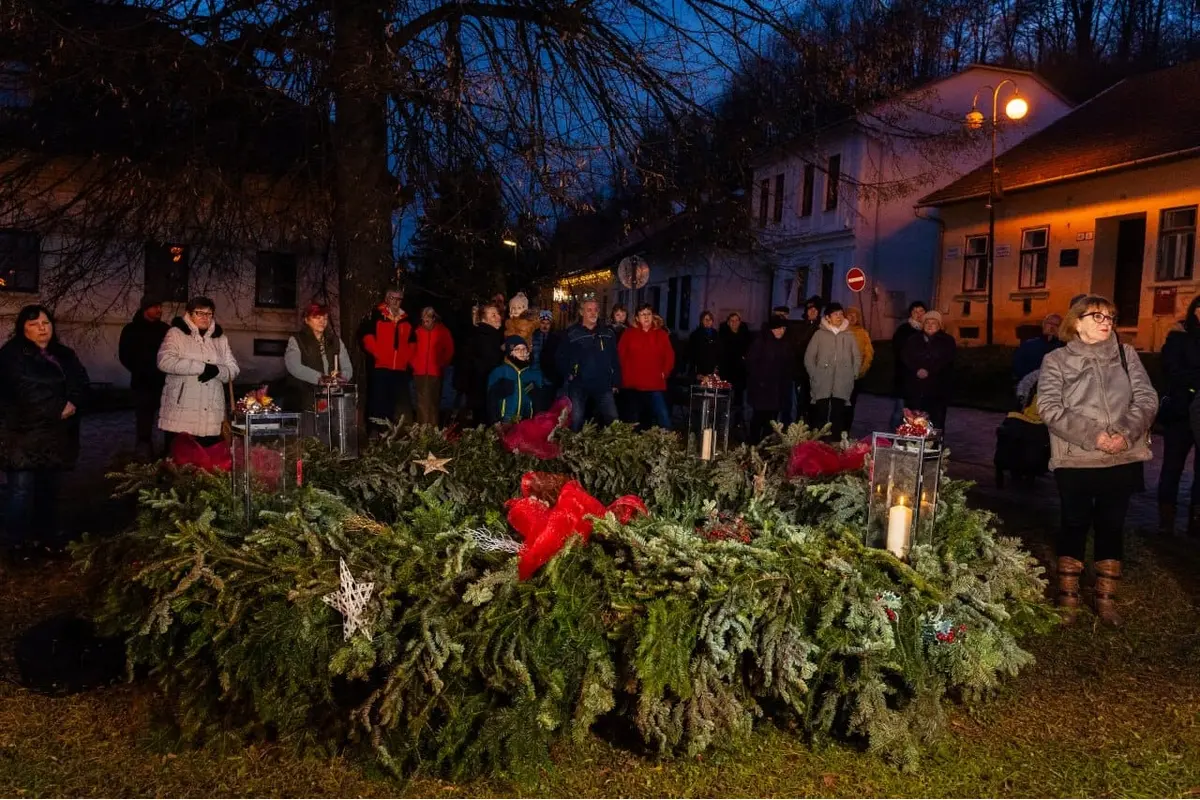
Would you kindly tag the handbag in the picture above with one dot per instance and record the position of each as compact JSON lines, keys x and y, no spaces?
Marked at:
{"x":1146,"y":440}
{"x":227,"y":423}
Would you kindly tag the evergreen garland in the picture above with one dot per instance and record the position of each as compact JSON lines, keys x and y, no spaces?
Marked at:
{"x":687,"y":639}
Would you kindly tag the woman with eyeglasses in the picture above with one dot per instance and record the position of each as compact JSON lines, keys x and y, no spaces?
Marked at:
{"x":198,"y":363}
{"x":1098,"y":404}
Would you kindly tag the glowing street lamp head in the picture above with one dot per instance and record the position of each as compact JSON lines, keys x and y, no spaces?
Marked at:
{"x":974,"y":119}
{"x":509,"y":243}
{"x":1016,"y":108}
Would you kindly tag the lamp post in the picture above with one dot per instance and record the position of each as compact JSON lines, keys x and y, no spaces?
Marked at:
{"x":1016,"y":108}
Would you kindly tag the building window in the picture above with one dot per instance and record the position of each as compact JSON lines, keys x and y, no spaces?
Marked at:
{"x":826,"y":282}
{"x":14,"y":85}
{"x":20,"y":261}
{"x":975,"y":264}
{"x":831,"y":186}
{"x":1176,"y":244}
{"x":672,"y":301}
{"x":1035,"y":256}
{"x":685,"y":302}
{"x":778,"y":210}
{"x":806,"y":200}
{"x":167,"y":272}
{"x":764,"y":197}
{"x":800,"y":291}
{"x":275,"y":280}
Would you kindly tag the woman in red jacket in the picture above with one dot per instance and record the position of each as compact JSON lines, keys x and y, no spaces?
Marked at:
{"x":647,"y":359}
{"x":434,"y":352}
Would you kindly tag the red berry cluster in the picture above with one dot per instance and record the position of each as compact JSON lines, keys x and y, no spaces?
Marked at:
{"x":953,"y":634}
{"x":725,"y":527}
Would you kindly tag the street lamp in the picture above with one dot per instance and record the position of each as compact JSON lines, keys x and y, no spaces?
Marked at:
{"x":1015,"y":109}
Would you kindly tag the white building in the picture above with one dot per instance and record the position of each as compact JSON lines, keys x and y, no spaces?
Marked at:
{"x":847,"y":198}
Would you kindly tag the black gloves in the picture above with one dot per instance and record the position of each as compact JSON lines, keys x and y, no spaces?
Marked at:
{"x":210,"y":372}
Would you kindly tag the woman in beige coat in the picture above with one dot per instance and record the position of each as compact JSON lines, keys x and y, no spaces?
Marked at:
{"x":832,"y":360}
{"x":1098,"y":404}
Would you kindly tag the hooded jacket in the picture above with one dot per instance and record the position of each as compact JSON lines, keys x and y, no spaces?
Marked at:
{"x":589,"y":359}
{"x":647,"y":359}
{"x":35,"y":387}
{"x":1181,"y":365}
{"x":138,"y":352}
{"x":389,"y":340}
{"x":1084,"y":390}
{"x":189,"y":406}
{"x":832,"y":361}
{"x":510,"y":390}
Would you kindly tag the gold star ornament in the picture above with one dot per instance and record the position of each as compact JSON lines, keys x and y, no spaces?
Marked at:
{"x":432,"y":463}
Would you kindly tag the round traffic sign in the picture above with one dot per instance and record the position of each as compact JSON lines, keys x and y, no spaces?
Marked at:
{"x":856,"y":279}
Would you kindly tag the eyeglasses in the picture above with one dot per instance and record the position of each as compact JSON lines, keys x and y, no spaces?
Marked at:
{"x":1100,"y":317}
{"x":202,"y":313}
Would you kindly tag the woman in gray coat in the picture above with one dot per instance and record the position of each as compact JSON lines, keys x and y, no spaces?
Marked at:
{"x":832,"y":360}
{"x":1098,"y":404}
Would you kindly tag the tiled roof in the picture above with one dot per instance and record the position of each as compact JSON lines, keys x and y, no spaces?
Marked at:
{"x":1144,"y":119}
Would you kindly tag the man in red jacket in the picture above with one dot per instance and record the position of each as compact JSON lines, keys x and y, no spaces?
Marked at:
{"x":389,"y":340}
{"x":434,"y":352}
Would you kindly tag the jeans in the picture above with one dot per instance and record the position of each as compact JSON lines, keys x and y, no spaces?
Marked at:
{"x":650,"y":408}
{"x":604,"y":404}
{"x":30,"y":511}
{"x":429,"y":398}
{"x":1177,"y":443}
{"x":389,"y":392}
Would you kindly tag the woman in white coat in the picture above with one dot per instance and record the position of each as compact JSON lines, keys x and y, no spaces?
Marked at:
{"x":198,"y":363}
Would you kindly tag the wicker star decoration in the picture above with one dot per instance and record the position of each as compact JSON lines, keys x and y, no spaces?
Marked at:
{"x":351,"y":600}
{"x":432,"y":463}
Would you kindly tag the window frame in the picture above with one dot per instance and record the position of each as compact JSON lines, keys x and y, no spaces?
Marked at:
{"x":810,"y":185}
{"x":833,"y":177}
{"x":1188,"y":233}
{"x":33,"y":250}
{"x":777,"y":210}
{"x":280,"y":258}
{"x":764,"y":197}
{"x":1041,"y":262}
{"x":980,"y":260}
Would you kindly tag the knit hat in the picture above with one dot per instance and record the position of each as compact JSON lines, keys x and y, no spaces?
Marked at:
{"x":148,"y":301}
{"x":774,"y":323}
{"x":545,"y":314}
{"x":512,"y":342}
{"x":937,"y":315}
{"x":518,"y":305}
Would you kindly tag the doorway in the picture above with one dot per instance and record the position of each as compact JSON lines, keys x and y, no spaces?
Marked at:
{"x":1127,"y":286}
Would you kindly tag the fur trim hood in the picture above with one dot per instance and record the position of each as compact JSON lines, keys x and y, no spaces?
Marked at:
{"x":183,"y":325}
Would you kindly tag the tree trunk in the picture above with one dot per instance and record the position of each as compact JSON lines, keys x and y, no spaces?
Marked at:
{"x":363,"y":186}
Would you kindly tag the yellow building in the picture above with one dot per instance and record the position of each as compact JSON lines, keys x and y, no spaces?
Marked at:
{"x":1103,"y":201}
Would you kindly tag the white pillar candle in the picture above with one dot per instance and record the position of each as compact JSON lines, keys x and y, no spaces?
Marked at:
{"x":707,"y":437}
{"x":899,"y":525}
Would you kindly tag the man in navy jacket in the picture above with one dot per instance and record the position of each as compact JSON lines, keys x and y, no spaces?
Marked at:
{"x":587,"y":360}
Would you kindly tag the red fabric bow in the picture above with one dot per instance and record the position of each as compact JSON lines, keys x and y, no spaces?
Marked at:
{"x":532,"y":436}
{"x":547,"y":528}
{"x":185,"y":450}
{"x":814,"y":459}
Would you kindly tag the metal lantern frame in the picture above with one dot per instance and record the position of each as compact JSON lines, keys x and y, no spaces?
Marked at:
{"x":333,"y":419}
{"x":709,"y":414}
{"x":905,"y":474}
{"x":277,"y":432}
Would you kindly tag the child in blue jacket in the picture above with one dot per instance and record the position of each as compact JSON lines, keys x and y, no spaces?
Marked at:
{"x":512,"y":386}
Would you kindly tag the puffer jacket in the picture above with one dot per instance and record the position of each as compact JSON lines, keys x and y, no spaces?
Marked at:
{"x":434,"y":350}
{"x":1083,"y":391}
{"x":866,"y":350}
{"x":189,"y":406}
{"x":35,"y":387}
{"x":832,"y":361}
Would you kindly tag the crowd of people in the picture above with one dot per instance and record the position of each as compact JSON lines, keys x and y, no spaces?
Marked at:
{"x":1081,"y":394}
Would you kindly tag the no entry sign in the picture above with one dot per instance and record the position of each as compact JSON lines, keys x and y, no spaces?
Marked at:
{"x":856,"y":279}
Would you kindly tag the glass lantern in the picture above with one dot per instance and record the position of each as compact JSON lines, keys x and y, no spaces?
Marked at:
{"x":708,"y":421}
{"x":905,"y":472}
{"x":266,"y":455}
{"x":334,"y":418}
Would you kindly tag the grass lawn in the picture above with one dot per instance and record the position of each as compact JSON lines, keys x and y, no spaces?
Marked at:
{"x":1103,"y":713}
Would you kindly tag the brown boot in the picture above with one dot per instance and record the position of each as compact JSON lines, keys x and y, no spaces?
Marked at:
{"x":1108,"y":577}
{"x":1069,"y":570}
{"x":1166,"y":519}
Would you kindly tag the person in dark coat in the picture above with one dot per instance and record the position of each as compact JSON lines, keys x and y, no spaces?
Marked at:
{"x":704,"y":348}
{"x":42,"y":388}
{"x":735,"y":340}
{"x":799,"y":336}
{"x":769,"y":374}
{"x":590,"y":363}
{"x":138,"y":353}
{"x":910,"y":326}
{"x":546,"y":342}
{"x":1029,"y":355}
{"x":1181,"y":368}
{"x":483,"y":353}
{"x":928,"y":359}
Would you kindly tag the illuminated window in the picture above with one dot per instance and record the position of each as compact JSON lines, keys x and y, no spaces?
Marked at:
{"x":975,"y":264}
{"x":1176,"y":244}
{"x":1035,"y":257}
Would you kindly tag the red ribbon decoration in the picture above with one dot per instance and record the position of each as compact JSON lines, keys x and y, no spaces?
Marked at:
{"x":547,"y":528}
{"x":816,"y":459}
